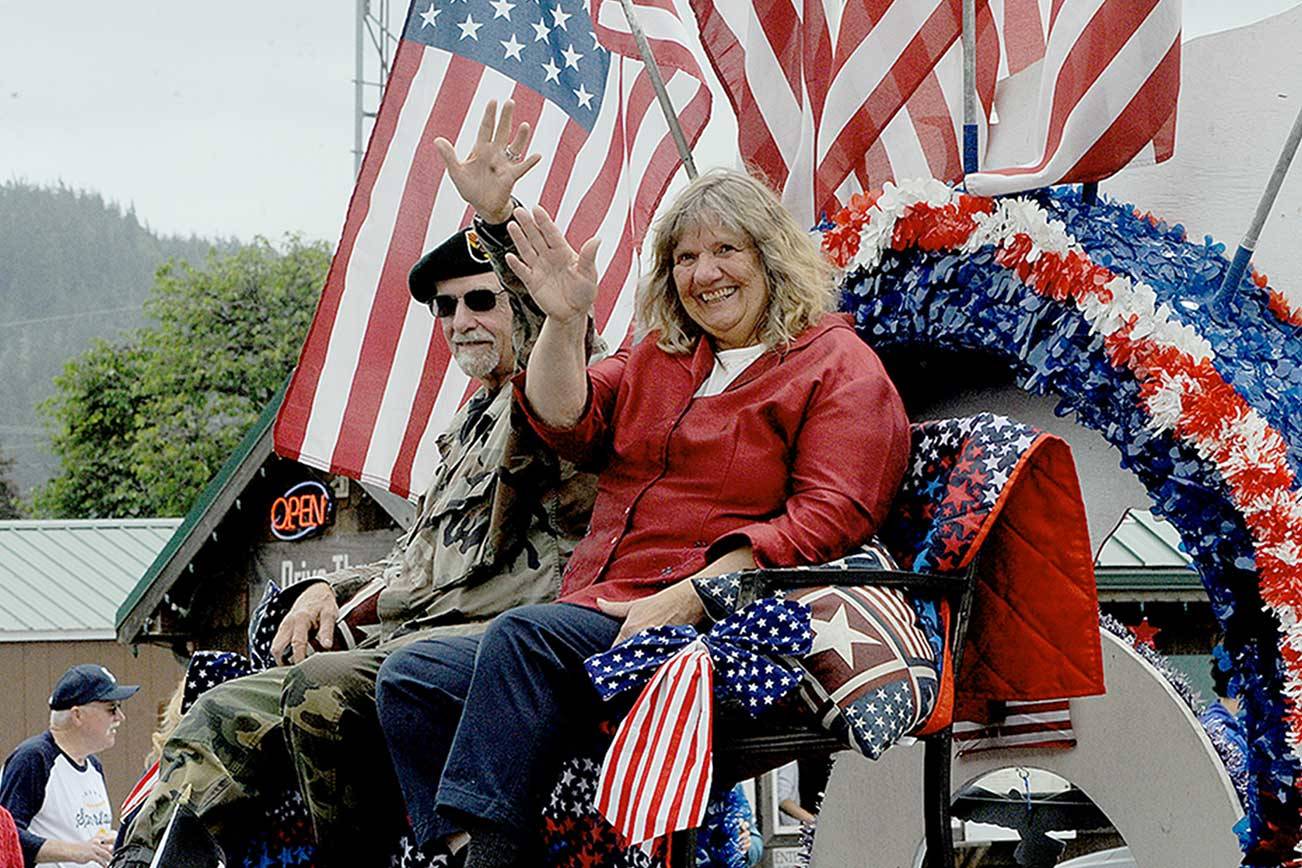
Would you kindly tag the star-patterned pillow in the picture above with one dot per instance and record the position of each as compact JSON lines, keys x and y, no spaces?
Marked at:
{"x":871,"y":676}
{"x":871,"y":673}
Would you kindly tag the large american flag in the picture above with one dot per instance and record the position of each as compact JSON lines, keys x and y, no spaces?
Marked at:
{"x":374,"y":382}
{"x":835,"y":97}
{"x":832,"y":97}
{"x":1108,"y":93}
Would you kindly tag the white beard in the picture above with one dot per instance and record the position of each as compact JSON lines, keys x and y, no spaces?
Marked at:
{"x":477,"y":361}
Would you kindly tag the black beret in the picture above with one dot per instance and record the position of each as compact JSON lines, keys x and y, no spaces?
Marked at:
{"x":460,"y":256}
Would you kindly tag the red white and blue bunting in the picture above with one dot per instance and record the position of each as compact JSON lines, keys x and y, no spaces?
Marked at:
{"x":1116,"y":314}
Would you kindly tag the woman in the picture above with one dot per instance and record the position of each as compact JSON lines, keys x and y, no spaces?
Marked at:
{"x":748,"y":427}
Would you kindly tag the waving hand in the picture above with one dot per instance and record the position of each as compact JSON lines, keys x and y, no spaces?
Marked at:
{"x":561,"y":281}
{"x":498,"y":159}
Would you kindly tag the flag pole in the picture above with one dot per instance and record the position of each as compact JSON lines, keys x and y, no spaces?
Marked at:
{"x":167,"y":830}
{"x":658,"y":83}
{"x":969,"y":87}
{"x":1243,"y":255}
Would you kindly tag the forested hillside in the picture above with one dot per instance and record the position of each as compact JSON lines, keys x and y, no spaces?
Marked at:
{"x":72,"y":268}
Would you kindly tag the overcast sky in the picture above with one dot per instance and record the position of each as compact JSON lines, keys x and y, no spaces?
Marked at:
{"x":232,"y":118}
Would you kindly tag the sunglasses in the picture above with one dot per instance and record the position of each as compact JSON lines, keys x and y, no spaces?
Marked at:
{"x":111,"y":707}
{"x":477,"y":300}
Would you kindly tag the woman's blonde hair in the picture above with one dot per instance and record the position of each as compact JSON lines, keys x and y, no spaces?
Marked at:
{"x":169,"y":715}
{"x":800,"y":279}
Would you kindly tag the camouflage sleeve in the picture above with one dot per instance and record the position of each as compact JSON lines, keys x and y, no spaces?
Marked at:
{"x":345,"y":582}
{"x":349,"y":580}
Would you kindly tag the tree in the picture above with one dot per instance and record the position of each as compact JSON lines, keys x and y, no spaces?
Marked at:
{"x":141,"y":425}
{"x":10,"y":502}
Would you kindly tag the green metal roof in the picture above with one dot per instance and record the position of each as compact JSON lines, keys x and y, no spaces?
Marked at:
{"x":1143,"y":540}
{"x":208,"y":510}
{"x":64,"y":579}
{"x":1144,"y":554}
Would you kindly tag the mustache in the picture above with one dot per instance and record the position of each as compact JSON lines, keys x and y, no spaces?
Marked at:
{"x":475,"y":335}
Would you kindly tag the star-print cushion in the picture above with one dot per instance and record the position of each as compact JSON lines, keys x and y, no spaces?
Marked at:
{"x":871,"y":676}
{"x":871,"y":673}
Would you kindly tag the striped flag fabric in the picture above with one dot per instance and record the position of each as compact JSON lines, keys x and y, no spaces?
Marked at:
{"x":657,"y":773}
{"x":1108,"y":94}
{"x":1021,"y":26}
{"x":833,"y":98}
{"x":374,"y":382}
{"x":139,"y":792}
{"x":1044,"y":724}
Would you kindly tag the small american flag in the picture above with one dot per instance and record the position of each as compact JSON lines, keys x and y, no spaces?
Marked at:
{"x":373,"y":379}
{"x":657,"y":774}
{"x":1108,"y":94}
{"x":140,"y":791}
{"x":1045,"y":724}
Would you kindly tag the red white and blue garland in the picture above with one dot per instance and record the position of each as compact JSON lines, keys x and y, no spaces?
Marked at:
{"x":1114,"y":313}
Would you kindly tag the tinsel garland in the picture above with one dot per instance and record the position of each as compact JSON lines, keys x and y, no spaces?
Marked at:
{"x":1116,"y":314}
{"x":1177,"y":679}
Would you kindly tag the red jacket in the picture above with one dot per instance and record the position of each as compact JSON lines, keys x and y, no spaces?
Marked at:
{"x":801,"y":456}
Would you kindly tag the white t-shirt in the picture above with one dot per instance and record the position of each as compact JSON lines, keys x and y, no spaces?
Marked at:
{"x":52,"y":798}
{"x":728,"y":366}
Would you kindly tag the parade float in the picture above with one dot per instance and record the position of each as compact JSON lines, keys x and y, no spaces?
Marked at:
{"x":1186,"y":365}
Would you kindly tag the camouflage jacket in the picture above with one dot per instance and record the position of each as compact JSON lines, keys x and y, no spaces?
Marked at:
{"x":496,"y":525}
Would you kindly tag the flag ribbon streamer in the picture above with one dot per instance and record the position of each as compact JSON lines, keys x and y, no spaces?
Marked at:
{"x":657,"y":773}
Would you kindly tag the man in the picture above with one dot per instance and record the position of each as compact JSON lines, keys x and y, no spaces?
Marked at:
{"x":493,"y":531}
{"x":53,"y":784}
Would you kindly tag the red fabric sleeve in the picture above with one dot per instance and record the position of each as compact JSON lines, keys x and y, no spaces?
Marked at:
{"x":849,"y":460}
{"x":583,"y":443}
{"x":11,"y":853}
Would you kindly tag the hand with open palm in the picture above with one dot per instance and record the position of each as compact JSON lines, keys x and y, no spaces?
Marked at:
{"x":486,"y":177}
{"x":562,"y":282}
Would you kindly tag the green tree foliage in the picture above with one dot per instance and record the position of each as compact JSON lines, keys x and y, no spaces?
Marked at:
{"x":142,"y":424}
{"x":10,"y":502}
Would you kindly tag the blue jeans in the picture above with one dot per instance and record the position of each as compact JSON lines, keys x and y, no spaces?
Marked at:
{"x":478,"y":726}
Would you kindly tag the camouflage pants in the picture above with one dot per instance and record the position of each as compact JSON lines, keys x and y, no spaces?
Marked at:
{"x":253,"y":737}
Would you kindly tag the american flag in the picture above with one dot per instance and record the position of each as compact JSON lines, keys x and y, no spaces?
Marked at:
{"x":832,"y":98}
{"x":836,"y":97}
{"x":139,"y":792}
{"x":374,"y":380}
{"x":1019,"y":725}
{"x":656,"y":775}
{"x":1108,"y":93}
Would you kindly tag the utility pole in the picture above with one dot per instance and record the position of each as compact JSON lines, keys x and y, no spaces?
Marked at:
{"x":373,"y":55}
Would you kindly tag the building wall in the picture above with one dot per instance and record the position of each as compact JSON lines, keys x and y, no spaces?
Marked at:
{"x":208,"y":606}
{"x":30,"y":670}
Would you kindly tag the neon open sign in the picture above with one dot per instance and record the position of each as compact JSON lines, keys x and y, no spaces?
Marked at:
{"x":304,"y":509}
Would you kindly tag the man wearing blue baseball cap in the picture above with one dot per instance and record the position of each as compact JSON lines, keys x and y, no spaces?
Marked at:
{"x":53,"y":783}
